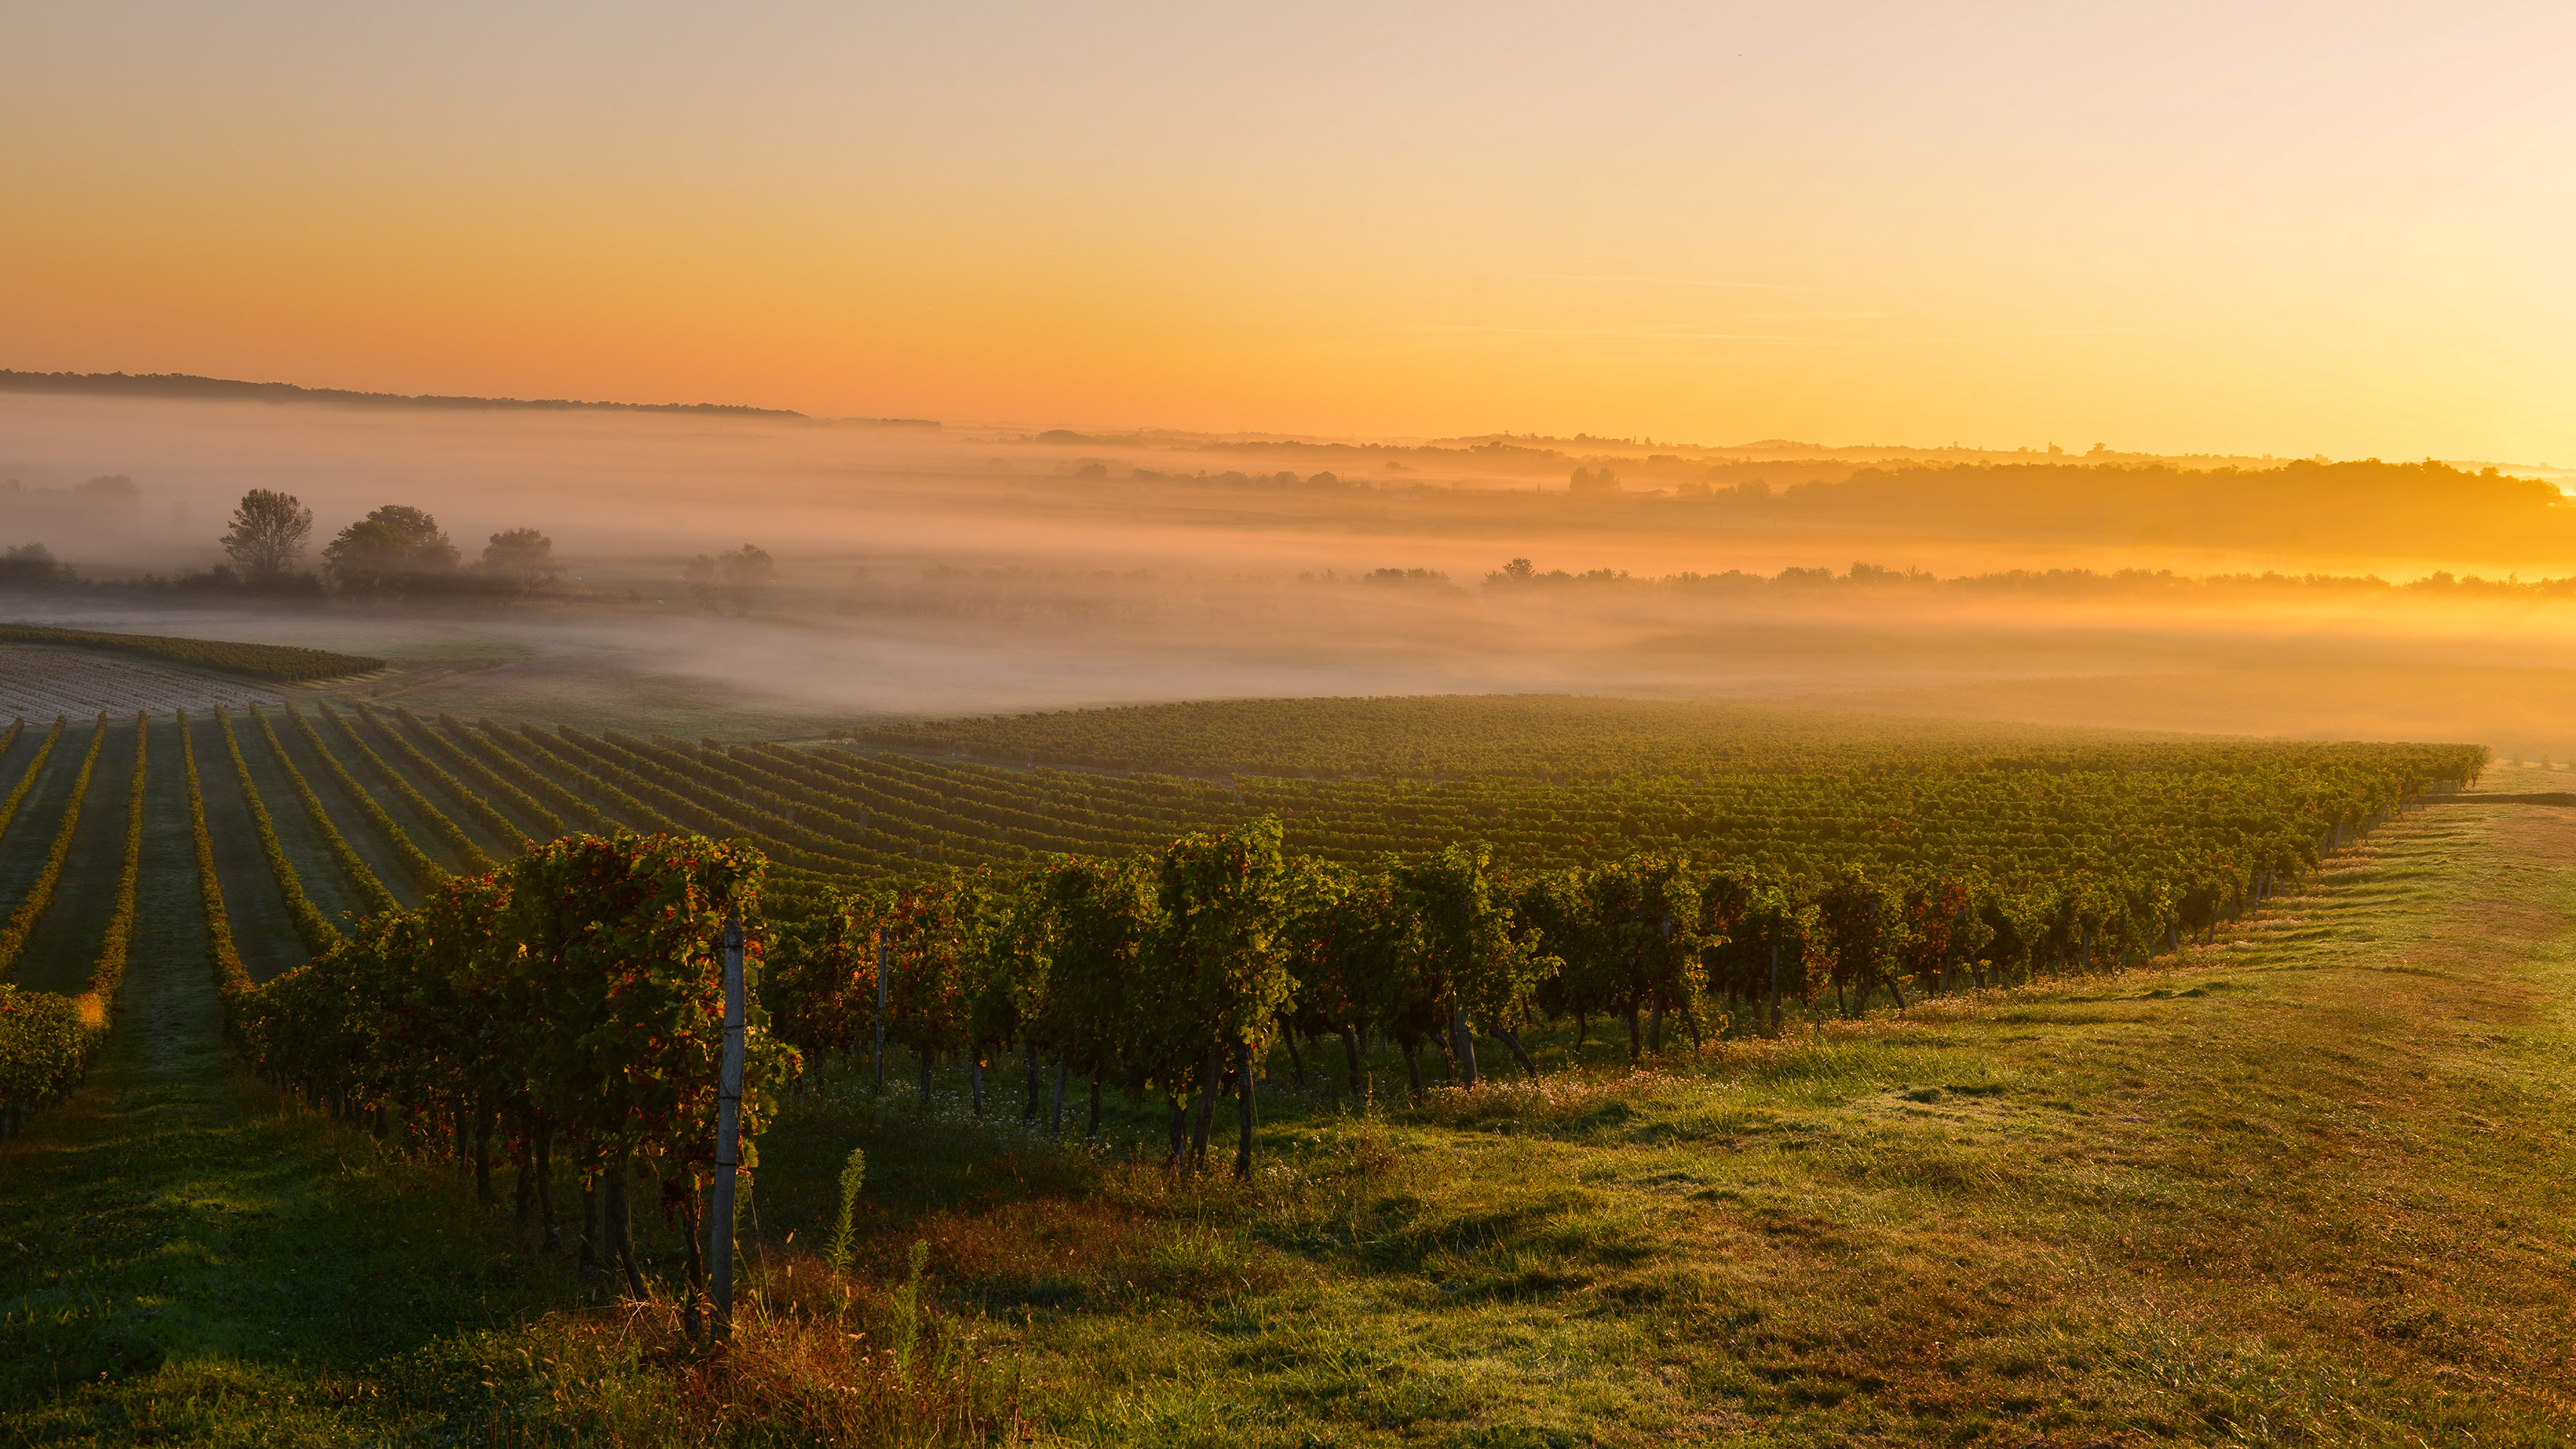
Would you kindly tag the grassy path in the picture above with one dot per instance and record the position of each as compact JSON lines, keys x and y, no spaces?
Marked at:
{"x":31,"y":833}
{"x":64,"y":946}
{"x":187,"y":1263}
{"x":262,"y":931}
{"x":2313,"y":1188}
{"x":169,"y":914}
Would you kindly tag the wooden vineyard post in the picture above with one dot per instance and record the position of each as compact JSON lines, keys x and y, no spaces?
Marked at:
{"x":881,"y":1003}
{"x":728,"y":1136}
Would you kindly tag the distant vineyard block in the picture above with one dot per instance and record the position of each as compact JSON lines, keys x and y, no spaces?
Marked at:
{"x":280,"y":663}
{"x":39,"y":684}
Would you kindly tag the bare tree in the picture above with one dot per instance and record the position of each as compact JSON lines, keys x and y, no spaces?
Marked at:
{"x":267,"y":538}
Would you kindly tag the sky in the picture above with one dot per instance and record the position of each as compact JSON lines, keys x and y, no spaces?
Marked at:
{"x":2257,"y":228}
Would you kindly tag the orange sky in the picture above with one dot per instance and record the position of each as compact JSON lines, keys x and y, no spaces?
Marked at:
{"x":2271,"y":228}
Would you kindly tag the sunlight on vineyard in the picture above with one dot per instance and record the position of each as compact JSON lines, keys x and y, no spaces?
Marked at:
{"x":791,"y":726}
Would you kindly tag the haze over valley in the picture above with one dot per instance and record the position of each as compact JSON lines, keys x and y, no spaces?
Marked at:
{"x":1413,"y":726}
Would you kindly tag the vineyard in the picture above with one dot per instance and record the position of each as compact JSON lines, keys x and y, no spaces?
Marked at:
{"x":1545,"y":737}
{"x":277,"y":663}
{"x":494,"y":945}
{"x":1021,"y":908}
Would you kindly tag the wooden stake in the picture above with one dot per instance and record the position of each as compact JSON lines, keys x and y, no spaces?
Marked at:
{"x":728,"y":1136}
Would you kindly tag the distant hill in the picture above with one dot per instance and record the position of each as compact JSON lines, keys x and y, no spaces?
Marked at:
{"x":221,"y":389}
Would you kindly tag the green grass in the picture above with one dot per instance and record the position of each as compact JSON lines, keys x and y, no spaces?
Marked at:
{"x":185,"y":1262}
{"x":2310,"y":1188}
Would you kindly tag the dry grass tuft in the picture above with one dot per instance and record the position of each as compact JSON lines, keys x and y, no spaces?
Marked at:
{"x":816,"y":1358}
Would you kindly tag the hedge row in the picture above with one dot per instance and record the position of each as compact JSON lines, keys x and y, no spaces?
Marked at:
{"x":311,"y":927}
{"x":678,"y":799}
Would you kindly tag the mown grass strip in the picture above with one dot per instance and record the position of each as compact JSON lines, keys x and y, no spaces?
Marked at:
{"x":361,"y":879}
{"x":13,"y":939}
{"x":231,"y":978}
{"x":27,"y":777}
{"x":425,"y":871}
{"x":472,"y":804}
{"x":97,"y":1000}
{"x":468,"y":854}
{"x":311,"y":926}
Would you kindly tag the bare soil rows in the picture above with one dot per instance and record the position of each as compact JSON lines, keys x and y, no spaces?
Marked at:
{"x":262,"y":931}
{"x":39,"y":683}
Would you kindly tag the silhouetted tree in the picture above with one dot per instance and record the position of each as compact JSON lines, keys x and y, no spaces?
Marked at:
{"x":431,"y":552}
{"x":745,"y":572}
{"x":700,"y":575}
{"x":33,"y":563}
{"x":523,"y":557}
{"x":739,"y":576}
{"x":370,"y":557}
{"x":267,"y":538}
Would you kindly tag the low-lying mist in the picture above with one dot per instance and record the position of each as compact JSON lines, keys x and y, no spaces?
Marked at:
{"x":961,"y":569}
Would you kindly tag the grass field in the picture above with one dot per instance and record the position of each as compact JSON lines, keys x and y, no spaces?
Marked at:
{"x":2310,"y":1188}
